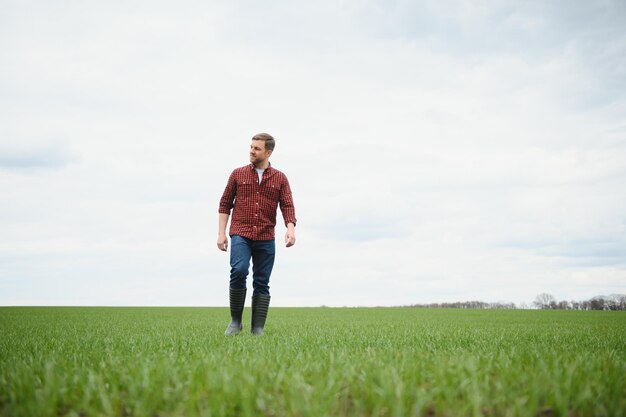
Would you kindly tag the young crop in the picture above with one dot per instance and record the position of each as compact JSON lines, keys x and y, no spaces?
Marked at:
{"x":311,"y":362}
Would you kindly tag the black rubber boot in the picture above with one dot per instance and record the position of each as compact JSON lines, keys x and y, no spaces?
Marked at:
{"x":237,"y":301}
{"x":260,"y":306}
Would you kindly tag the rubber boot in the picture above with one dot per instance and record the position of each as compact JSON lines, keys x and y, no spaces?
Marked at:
{"x":260,"y":306}
{"x":237,"y":301}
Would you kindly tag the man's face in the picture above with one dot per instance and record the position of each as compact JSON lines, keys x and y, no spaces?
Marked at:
{"x":258,"y":153}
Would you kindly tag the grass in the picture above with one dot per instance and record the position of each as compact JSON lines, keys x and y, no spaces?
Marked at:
{"x":311,"y":362}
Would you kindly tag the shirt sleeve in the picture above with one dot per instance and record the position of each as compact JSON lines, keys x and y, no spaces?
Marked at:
{"x":227,"y":202}
{"x":286,"y":204}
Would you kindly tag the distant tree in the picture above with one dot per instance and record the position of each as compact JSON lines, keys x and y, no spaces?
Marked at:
{"x":621,"y":301}
{"x":545,"y":301}
{"x":616,"y":302}
{"x":598,"y":302}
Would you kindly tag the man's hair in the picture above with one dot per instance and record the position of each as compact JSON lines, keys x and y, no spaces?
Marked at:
{"x":267,"y":138}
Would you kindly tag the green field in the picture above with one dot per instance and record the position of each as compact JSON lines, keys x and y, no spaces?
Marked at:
{"x":311,"y":362}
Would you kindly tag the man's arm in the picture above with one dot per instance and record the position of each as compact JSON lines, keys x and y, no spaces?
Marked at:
{"x":289,"y":213}
{"x":222,"y":240}
{"x":290,"y":236}
{"x":226,"y":204}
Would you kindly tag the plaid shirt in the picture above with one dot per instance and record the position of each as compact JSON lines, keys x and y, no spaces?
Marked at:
{"x":254,"y":214}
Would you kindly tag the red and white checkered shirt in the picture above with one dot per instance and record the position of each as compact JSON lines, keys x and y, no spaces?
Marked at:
{"x":254,"y":214}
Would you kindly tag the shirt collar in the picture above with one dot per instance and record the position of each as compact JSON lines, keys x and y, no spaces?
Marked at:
{"x":268,"y":169}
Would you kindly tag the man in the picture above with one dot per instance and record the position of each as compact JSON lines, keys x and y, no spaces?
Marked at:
{"x":254,"y":193}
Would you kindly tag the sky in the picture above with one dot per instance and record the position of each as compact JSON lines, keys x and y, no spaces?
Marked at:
{"x":438,"y":151}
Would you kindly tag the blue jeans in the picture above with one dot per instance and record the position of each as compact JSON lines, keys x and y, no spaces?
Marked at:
{"x":262,"y":253}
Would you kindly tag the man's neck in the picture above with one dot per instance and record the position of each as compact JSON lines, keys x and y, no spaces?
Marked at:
{"x":262,"y":165}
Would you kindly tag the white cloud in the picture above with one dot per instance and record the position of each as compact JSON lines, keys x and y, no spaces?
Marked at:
{"x":437,"y":152}
{"x":19,"y":155}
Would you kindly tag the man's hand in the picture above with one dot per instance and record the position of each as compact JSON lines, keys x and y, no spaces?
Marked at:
{"x":222,"y":242}
{"x":290,"y":236}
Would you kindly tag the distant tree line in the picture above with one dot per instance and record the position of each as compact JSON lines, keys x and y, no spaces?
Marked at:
{"x":544,"y":301}
{"x":467,"y":304}
{"x":614,"y":302}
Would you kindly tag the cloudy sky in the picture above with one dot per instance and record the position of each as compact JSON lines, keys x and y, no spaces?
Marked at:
{"x":437,"y":150}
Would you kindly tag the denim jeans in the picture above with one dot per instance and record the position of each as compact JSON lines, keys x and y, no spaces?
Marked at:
{"x":262,"y":253}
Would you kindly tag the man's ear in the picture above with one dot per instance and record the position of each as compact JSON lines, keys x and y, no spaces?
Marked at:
{"x":269,"y":152}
